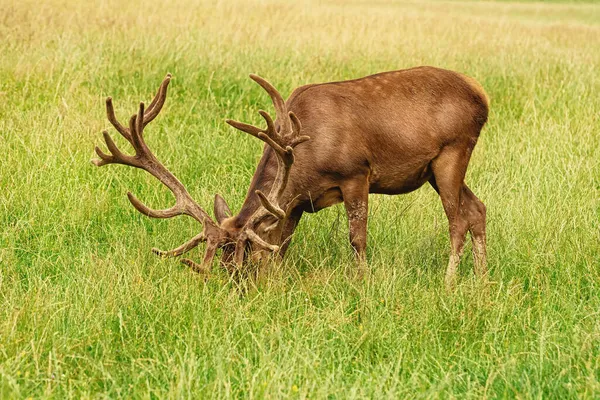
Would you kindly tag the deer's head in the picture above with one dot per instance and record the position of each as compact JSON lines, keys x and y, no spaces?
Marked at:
{"x":259,"y":235}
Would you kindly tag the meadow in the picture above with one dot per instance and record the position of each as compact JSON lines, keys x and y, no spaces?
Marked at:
{"x":87,"y":311}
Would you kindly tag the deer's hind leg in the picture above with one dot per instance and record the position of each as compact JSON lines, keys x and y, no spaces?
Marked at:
{"x":449,"y":169}
{"x":475,"y":212}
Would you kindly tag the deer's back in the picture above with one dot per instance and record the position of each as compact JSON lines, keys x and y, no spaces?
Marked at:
{"x":389,"y":125}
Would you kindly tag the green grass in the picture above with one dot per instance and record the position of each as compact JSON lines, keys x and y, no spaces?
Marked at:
{"x":87,"y":311}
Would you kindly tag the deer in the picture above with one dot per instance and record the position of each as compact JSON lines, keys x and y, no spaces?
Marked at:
{"x":388,"y":133}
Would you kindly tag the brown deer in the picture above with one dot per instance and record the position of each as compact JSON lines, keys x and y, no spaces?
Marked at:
{"x":387,"y":133}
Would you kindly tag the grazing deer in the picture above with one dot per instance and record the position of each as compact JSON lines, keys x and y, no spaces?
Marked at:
{"x":387,"y":133}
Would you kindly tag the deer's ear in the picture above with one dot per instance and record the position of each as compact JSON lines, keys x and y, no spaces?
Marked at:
{"x":222,"y":210}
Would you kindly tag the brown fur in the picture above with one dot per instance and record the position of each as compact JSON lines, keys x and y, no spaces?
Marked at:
{"x":387,"y":133}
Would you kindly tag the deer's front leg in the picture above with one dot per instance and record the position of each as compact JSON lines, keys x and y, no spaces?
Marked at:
{"x":356,"y":201}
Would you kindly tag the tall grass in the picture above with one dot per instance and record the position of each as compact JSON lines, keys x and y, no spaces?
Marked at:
{"x":87,"y":311}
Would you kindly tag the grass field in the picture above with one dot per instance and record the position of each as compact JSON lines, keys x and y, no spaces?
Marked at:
{"x":87,"y":311}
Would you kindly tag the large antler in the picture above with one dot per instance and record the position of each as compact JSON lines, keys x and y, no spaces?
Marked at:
{"x":146,"y":160}
{"x":282,"y":141}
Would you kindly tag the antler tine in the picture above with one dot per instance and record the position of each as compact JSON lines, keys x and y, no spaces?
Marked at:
{"x":184,"y":248}
{"x":203,"y":267}
{"x":136,"y":129}
{"x":150,"y":212}
{"x":270,"y":130}
{"x":116,"y":156}
{"x":159,"y":100}
{"x":272,"y":208}
{"x":110,"y":114}
{"x":251,"y":129}
{"x":296,"y":128}
{"x":278,"y":102}
{"x":296,"y":124}
{"x":252,"y":236}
